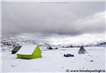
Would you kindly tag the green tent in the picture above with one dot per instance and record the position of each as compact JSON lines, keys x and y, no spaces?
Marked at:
{"x":29,"y":52}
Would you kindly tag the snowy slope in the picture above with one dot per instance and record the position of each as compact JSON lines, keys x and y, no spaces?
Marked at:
{"x":54,"y":61}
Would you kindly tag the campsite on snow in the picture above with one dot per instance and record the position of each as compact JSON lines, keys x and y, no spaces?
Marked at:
{"x":34,"y":58}
{"x":56,"y":36}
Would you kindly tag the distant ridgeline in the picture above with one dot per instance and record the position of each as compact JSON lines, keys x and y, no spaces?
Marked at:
{"x":8,"y":43}
{"x":97,"y":44}
{"x":13,"y":42}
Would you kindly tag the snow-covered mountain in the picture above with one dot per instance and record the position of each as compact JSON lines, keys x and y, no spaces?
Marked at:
{"x":94,"y":44}
{"x":8,"y":43}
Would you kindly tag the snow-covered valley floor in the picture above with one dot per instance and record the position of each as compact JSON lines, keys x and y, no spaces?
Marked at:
{"x":54,"y":61}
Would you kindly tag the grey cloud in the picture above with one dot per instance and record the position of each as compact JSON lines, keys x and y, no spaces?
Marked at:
{"x":50,"y":18}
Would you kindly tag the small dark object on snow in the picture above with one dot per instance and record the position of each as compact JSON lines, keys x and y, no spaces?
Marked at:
{"x":13,"y":66}
{"x":67,"y":70}
{"x":91,"y":60}
{"x":50,"y":48}
{"x":56,"y":48}
{"x":62,"y":67}
{"x":68,"y":55}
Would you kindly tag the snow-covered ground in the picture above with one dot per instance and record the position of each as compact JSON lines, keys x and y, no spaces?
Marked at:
{"x":54,"y":61}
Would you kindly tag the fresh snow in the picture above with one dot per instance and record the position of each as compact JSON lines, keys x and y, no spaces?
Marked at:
{"x":54,"y":61}
{"x":27,"y":49}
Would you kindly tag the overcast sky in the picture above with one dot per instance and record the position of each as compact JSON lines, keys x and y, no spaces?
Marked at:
{"x":55,"y":23}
